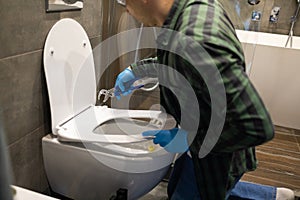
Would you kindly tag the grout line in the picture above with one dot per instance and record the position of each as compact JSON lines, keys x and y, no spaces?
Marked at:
{"x":30,"y":133}
{"x":276,"y":168}
{"x":22,"y":54}
{"x":276,"y":155}
{"x":283,"y":150}
{"x":272,"y":180}
{"x":34,"y":51}
{"x":298,"y":145}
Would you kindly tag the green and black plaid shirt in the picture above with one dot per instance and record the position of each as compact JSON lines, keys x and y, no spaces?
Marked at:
{"x":210,"y":41}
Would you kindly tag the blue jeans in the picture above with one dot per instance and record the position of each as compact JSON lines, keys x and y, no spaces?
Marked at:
{"x":182,"y":185}
{"x":247,"y":191}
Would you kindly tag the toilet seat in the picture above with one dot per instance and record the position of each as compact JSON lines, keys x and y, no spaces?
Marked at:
{"x":81,"y":128}
{"x":70,"y":75}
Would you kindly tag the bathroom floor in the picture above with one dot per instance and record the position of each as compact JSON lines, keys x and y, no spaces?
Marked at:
{"x":158,"y":193}
{"x":279,"y":160}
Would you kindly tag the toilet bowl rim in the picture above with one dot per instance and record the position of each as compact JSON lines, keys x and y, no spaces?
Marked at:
{"x":67,"y":132}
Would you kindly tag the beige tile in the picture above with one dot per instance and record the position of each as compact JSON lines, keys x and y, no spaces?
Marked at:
{"x":95,"y":41}
{"x":287,"y":10}
{"x":282,"y":144}
{"x":297,"y":132}
{"x":283,"y":129}
{"x":278,"y":158}
{"x":285,"y":137}
{"x":298,"y":141}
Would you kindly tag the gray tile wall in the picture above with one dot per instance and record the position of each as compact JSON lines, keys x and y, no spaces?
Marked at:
{"x":23,"y":91}
{"x":242,"y":19}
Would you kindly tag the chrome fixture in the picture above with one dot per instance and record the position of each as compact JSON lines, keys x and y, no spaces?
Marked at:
{"x":63,"y":5}
{"x":293,"y":20}
{"x":122,"y":2}
{"x":253,"y":2}
{"x":256,"y":16}
{"x":274,"y":14}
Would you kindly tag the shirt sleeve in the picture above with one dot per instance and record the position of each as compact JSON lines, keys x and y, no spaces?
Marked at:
{"x":145,"y":68}
{"x":247,"y":121}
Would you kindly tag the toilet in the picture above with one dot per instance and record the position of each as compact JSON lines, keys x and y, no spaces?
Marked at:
{"x":95,"y":152}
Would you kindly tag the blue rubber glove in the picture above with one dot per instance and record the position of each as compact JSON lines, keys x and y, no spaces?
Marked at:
{"x":173,"y":140}
{"x":124,"y":83}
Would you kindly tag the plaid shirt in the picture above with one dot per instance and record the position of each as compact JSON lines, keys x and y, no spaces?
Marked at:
{"x":210,"y":40}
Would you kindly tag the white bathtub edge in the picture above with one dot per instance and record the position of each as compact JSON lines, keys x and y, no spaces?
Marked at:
{"x":268,"y":39}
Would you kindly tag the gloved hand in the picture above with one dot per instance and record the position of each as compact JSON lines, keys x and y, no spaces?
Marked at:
{"x":173,"y":140}
{"x":124,"y":83}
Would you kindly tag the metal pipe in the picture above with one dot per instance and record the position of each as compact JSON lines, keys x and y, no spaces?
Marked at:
{"x":291,"y":33}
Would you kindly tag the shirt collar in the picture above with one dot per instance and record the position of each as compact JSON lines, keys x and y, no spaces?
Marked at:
{"x":170,"y":22}
{"x":176,"y":9}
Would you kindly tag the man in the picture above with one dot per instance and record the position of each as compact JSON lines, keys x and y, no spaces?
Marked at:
{"x":200,"y":66}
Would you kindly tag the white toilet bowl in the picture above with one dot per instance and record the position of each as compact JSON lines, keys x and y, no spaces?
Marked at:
{"x":94,"y":150}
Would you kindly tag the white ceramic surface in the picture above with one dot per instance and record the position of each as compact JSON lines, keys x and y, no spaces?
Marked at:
{"x":80,"y":163}
{"x":25,"y":194}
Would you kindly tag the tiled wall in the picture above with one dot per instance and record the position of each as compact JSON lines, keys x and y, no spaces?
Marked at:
{"x":23,"y":94}
{"x":240,"y":12}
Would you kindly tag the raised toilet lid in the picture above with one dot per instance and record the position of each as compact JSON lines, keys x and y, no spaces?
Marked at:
{"x":69,"y":69}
